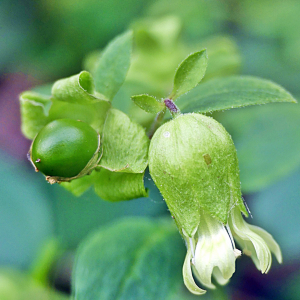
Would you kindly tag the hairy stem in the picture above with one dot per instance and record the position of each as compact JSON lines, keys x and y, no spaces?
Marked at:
{"x":156,"y":123}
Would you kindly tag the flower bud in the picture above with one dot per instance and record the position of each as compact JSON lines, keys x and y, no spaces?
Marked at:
{"x":193,"y":162}
{"x":65,"y":149}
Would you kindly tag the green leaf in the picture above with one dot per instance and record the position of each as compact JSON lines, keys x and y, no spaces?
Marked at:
{"x":76,"y":89}
{"x":78,"y":186}
{"x":34,"y":112}
{"x":189,"y":73}
{"x":93,"y":114}
{"x":37,"y":110}
{"x":267,"y":139}
{"x":76,"y":217}
{"x":115,"y":186}
{"x":232,"y":92}
{"x":148,"y":103}
{"x":132,"y":259}
{"x":124,"y":143}
{"x":112,"y":67}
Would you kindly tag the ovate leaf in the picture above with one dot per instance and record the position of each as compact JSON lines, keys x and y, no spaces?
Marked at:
{"x":132,"y":259}
{"x":77,"y":89}
{"x":115,"y":186}
{"x":148,"y":103}
{"x":124,"y":143}
{"x":189,"y":73}
{"x":34,"y":112}
{"x":232,"y":92}
{"x":112,"y":67}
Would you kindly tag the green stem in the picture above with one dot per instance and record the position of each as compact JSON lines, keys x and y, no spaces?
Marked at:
{"x":156,"y":123}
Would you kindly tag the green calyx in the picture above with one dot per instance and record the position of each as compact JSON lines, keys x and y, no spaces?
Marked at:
{"x":65,"y":149}
{"x":193,"y":161}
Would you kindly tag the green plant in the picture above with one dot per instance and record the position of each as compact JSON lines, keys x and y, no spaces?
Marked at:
{"x":191,"y":158}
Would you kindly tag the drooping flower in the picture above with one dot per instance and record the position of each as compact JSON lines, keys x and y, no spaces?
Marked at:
{"x":212,"y":252}
{"x":193,"y":162}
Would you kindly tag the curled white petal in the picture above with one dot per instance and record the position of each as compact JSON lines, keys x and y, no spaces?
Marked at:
{"x":219,"y":277}
{"x":267,"y":237}
{"x":255,"y":241}
{"x":188,"y":276}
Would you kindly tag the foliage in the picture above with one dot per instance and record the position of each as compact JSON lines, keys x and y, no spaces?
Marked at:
{"x":124,"y":158}
{"x":48,"y":40}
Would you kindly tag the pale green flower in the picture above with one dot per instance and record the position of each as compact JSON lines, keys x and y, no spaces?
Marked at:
{"x":212,"y":252}
{"x":193,"y":161}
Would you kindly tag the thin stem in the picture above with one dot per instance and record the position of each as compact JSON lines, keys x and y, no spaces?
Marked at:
{"x":156,"y":123}
{"x":174,"y":110}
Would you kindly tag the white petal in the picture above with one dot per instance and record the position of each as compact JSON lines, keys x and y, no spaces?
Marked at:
{"x":213,"y":249}
{"x":267,"y":237}
{"x":254,"y":241}
{"x":249,"y":250}
{"x":188,"y":276}
{"x":219,"y":277}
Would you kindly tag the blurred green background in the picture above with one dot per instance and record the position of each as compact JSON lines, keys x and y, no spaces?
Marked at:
{"x":42,"y":41}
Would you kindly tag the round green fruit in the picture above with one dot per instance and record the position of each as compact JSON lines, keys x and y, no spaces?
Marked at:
{"x":64,"y":149}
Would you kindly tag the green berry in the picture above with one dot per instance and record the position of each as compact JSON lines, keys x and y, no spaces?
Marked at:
{"x":64,"y":148}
